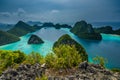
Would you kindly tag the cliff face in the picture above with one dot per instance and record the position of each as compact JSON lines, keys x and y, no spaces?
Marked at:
{"x":84,"y":71}
{"x":6,"y":38}
{"x":67,"y":40}
{"x":34,"y":39}
{"x":86,"y":31}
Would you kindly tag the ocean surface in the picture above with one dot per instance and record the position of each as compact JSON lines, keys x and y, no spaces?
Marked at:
{"x":109,"y":47}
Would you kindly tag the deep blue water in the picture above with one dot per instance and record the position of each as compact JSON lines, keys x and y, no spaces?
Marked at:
{"x":109,"y":47}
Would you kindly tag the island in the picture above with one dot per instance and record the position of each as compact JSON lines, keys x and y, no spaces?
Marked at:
{"x":34,"y":39}
{"x":67,"y":40}
{"x":107,"y":30}
{"x":56,"y":26}
{"x":84,"y":30}
{"x":21,"y":28}
{"x":6,"y":38}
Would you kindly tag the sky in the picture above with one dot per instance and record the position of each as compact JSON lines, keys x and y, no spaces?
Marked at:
{"x":59,"y":11}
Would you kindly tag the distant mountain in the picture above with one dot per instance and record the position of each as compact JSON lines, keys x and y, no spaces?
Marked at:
{"x":5,"y":27}
{"x":107,"y":30}
{"x":32,"y":23}
{"x":84,"y":30}
{"x":21,"y":29}
{"x":6,"y":38}
{"x":115,"y":25}
{"x":57,"y":26}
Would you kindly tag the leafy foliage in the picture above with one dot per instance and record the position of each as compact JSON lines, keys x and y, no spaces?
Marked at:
{"x":9,"y":58}
{"x":67,"y":40}
{"x":64,"y":56}
{"x":115,"y":70}
{"x":100,"y":60}
{"x":33,"y":58}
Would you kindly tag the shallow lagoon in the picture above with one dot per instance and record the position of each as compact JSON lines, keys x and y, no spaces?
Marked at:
{"x":109,"y":47}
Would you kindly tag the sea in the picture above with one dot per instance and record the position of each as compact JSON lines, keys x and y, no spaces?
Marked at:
{"x":108,"y":47}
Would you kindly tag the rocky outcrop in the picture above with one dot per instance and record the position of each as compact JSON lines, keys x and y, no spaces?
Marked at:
{"x":34,"y":39}
{"x":86,"y":31}
{"x":88,"y":71}
{"x":23,"y":72}
{"x":67,"y":40}
{"x":85,"y":71}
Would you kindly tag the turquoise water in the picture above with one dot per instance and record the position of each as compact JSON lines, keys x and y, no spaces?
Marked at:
{"x":109,"y":47}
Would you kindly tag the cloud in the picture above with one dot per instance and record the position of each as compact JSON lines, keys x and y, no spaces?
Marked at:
{"x":5,"y":14}
{"x":19,"y":14}
{"x":55,"y":11}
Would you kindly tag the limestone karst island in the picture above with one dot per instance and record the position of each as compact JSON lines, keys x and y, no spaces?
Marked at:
{"x":59,"y":40}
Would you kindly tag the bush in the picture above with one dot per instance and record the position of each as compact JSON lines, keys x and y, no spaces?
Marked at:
{"x":64,"y":56}
{"x":115,"y":70}
{"x":33,"y":58}
{"x":9,"y":58}
{"x":100,"y":60}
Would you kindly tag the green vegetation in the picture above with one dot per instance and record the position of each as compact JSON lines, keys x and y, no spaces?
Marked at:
{"x":100,"y":60}
{"x":21,"y":29}
{"x":57,"y":26}
{"x":42,"y":78}
{"x":64,"y":56}
{"x":9,"y":58}
{"x":67,"y":40}
{"x":115,"y":70}
{"x":33,"y":58}
{"x":107,"y":30}
{"x":34,"y":39}
{"x":86,"y":31}
{"x":6,"y":38}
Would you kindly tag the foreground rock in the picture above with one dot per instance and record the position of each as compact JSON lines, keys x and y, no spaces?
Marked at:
{"x":23,"y":72}
{"x":85,"y":71}
{"x":86,"y":31}
{"x":34,"y":39}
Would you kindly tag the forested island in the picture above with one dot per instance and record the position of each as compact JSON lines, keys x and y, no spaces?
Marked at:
{"x":68,"y":60}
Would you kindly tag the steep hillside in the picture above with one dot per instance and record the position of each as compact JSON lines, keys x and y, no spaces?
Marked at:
{"x":6,"y":38}
{"x":86,"y":31}
{"x":67,"y":40}
{"x":21,"y":29}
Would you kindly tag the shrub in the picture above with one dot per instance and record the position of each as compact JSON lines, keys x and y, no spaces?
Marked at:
{"x":33,"y":58}
{"x":100,"y":60}
{"x":9,"y":58}
{"x":64,"y":56}
{"x":115,"y":70}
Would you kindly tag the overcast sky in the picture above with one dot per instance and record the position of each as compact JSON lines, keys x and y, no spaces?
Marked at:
{"x":59,"y":11}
